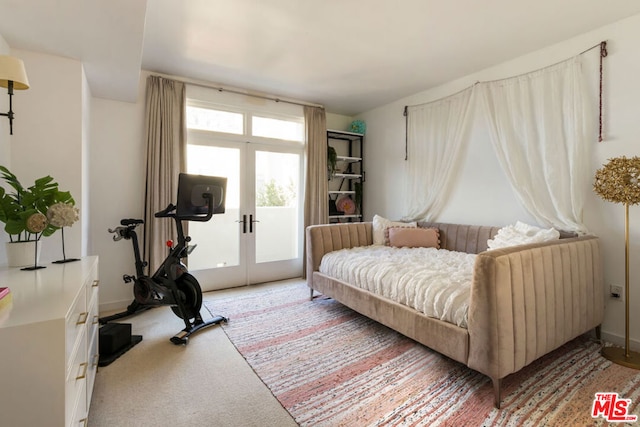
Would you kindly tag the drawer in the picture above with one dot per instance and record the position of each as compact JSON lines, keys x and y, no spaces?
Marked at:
{"x":79,"y":415}
{"x":75,"y":323}
{"x":94,"y":358}
{"x":76,"y":384}
{"x":93,"y":323}
{"x":92,"y":284}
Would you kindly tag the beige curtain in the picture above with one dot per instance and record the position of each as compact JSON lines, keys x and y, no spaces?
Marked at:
{"x":316,"y":195}
{"x":316,"y":201}
{"x":166,"y":158}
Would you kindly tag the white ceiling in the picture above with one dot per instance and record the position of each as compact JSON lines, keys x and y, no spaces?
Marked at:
{"x":349,"y":55}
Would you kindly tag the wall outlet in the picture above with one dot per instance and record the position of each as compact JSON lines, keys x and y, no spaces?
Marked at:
{"x":615,"y":291}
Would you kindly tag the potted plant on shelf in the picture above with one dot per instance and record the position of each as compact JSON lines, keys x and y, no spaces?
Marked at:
{"x":24,"y":211}
{"x":332,"y":161}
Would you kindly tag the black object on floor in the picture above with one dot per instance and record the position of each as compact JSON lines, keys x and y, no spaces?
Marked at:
{"x":115,"y":340}
{"x":108,"y":359}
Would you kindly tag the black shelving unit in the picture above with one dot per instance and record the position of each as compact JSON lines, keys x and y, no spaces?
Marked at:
{"x":349,"y":177}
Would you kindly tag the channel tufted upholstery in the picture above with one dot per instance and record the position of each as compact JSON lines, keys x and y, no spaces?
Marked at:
{"x":525,"y":301}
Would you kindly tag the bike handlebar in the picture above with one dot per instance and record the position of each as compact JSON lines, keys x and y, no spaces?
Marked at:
{"x":168,"y":211}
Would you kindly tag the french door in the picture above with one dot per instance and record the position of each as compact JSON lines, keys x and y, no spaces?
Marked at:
{"x":259,"y":237}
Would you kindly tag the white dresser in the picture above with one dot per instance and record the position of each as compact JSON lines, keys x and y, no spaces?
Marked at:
{"x":49,"y":344}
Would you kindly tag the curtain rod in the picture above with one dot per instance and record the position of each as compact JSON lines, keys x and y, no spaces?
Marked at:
{"x":208,"y":85}
{"x":603,"y":53}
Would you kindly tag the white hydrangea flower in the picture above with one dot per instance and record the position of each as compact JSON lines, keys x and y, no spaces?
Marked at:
{"x":62,"y":215}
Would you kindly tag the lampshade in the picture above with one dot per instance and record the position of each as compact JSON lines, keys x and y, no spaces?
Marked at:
{"x":12,"y":68}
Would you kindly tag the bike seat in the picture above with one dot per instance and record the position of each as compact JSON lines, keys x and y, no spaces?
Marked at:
{"x":130,"y":221}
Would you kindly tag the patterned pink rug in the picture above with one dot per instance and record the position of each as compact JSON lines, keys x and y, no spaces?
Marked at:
{"x":330,"y":366}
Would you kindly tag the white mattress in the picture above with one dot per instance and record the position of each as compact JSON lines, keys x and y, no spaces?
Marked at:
{"x":436,"y":282}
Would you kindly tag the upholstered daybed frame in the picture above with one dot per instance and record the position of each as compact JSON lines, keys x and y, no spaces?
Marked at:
{"x":525,"y":300}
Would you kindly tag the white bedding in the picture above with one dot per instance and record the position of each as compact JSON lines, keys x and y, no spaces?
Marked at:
{"x":436,"y":282}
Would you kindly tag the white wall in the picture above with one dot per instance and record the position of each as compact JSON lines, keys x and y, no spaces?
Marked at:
{"x":482,"y":194}
{"x":338,"y":122}
{"x":47,"y":137}
{"x":117,"y":176}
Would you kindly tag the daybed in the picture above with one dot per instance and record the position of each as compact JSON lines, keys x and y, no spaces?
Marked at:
{"x":525,"y":300}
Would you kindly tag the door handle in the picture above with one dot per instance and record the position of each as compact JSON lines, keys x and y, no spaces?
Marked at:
{"x":251,"y":221}
{"x":244,"y":223}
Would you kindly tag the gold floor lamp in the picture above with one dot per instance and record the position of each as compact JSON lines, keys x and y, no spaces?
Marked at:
{"x":618,"y":181}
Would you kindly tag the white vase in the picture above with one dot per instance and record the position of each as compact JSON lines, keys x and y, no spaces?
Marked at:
{"x":22,"y":254}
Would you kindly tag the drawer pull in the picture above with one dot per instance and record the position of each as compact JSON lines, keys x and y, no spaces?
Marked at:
{"x":95,"y":283}
{"x":96,"y":359}
{"x":82,"y":319}
{"x":95,"y":320}
{"x":84,"y":366}
{"x":84,"y":421}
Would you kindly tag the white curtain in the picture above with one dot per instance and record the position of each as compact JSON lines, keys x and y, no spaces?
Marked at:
{"x":435,"y":148}
{"x":537,"y":127}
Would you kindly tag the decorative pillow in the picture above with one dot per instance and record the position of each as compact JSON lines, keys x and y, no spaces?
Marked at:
{"x":386,"y":232}
{"x":380,"y":224}
{"x":346,"y":205}
{"x":410,"y":237}
{"x":521,"y":234}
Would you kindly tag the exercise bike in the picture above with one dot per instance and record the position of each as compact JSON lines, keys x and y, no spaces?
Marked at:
{"x":172,"y":284}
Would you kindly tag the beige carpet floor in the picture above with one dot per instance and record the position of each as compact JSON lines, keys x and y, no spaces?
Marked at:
{"x":205,"y":383}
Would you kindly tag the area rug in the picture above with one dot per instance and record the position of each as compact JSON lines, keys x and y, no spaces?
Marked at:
{"x":330,"y":366}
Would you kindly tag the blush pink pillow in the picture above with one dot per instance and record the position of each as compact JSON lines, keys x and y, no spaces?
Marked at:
{"x":400,"y":237}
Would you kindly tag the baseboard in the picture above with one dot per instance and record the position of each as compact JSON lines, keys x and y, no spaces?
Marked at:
{"x":114,"y":307}
{"x":618,"y":340}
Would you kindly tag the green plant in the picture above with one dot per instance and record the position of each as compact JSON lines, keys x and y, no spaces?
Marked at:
{"x":24,"y":210}
{"x":332,"y":160}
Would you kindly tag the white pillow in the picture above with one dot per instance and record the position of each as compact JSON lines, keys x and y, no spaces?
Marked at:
{"x":521,"y":234}
{"x":380,"y":224}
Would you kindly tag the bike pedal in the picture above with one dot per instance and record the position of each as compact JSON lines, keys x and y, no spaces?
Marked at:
{"x":127,"y":278}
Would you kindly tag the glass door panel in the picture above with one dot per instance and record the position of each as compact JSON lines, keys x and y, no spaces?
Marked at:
{"x":277,"y":206}
{"x":259,"y":237}
{"x":218,"y":260}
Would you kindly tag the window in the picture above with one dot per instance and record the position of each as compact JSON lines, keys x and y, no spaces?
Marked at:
{"x":215,"y":120}
{"x":277,"y":128}
{"x":244,"y":121}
